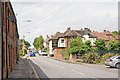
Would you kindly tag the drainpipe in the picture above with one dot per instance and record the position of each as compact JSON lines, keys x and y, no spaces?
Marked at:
{"x":1,"y":69}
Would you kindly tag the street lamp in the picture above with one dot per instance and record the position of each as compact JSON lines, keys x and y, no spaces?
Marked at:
{"x":23,"y":48}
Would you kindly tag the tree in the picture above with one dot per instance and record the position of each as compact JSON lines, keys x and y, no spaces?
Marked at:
{"x":116,"y":32}
{"x":38,"y":43}
{"x":87,"y":46}
{"x":76,"y":42}
{"x":114,"y":45}
{"x":78,"y":47}
{"x":100,"y":44}
{"x":27,"y":44}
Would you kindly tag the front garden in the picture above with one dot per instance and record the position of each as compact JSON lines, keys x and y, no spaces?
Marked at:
{"x":92,"y":54}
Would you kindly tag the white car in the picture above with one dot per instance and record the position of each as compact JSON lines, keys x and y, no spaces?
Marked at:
{"x":43,"y":53}
{"x":113,"y":61}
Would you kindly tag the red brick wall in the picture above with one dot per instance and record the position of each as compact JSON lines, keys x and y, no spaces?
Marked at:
{"x":67,"y":42}
{"x":10,"y":38}
{"x":57,"y":53}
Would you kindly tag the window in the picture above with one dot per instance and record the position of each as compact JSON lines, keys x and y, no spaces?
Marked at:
{"x":62,"y":40}
{"x":118,"y":57}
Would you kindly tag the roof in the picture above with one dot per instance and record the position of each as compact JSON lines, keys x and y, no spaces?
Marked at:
{"x":73,"y":33}
{"x":103,"y":35}
{"x":117,"y":37}
{"x":58,"y":34}
{"x":80,"y":32}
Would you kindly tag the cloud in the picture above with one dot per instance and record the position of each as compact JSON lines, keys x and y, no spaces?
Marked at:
{"x":50,"y":17}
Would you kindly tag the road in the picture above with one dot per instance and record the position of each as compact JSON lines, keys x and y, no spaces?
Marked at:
{"x":49,"y":68}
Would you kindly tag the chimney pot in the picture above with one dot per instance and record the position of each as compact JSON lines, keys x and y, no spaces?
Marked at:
{"x":69,"y":28}
{"x":104,"y":30}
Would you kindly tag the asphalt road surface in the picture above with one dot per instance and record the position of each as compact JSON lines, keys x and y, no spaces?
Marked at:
{"x":49,"y":68}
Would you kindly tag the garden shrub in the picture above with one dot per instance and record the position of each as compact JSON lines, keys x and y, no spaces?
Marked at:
{"x":92,"y":58}
{"x":66,"y":56}
{"x":106,"y":56}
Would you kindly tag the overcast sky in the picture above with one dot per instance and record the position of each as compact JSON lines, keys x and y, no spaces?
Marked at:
{"x":50,"y":16}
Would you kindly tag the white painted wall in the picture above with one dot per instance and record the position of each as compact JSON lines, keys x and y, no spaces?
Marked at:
{"x":86,"y":37}
{"x":50,"y":47}
{"x":44,"y":44}
{"x":60,"y":44}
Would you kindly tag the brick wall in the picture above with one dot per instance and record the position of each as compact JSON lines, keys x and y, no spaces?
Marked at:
{"x":10,"y":40}
{"x":57,"y":53}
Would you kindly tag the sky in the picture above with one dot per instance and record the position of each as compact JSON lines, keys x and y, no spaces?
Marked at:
{"x":50,"y":16}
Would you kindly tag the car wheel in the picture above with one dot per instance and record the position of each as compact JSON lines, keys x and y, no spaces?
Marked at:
{"x":117,"y":65}
{"x":111,"y":66}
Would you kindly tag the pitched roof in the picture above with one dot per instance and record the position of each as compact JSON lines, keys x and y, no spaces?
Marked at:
{"x":57,"y":34}
{"x":81,"y":32}
{"x":69,"y":33}
{"x":117,"y":37}
{"x":102,"y":35}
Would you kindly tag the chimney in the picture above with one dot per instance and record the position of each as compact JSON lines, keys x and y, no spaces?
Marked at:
{"x":85,"y":28}
{"x":104,"y":31}
{"x":69,"y":28}
{"x":51,"y":36}
{"x":47,"y":36}
{"x":58,"y":32}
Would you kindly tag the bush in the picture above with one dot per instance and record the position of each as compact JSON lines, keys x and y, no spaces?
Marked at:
{"x":79,"y":60}
{"x":91,"y":58}
{"x":21,"y":52}
{"x":106,"y":56}
{"x":66,"y":56}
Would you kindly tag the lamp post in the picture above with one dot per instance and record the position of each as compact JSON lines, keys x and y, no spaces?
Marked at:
{"x":23,"y":47}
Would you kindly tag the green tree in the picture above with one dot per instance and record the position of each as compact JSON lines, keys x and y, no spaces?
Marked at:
{"x":27,"y":44}
{"x":114,"y":45}
{"x":116,"y":32}
{"x":38,"y":43}
{"x":88,"y":45}
{"x":76,"y":42}
{"x":100,"y":44}
{"x":78,"y":47}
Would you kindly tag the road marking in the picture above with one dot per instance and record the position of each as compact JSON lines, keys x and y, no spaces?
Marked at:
{"x":78,"y":72}
{"x":53,"y":64}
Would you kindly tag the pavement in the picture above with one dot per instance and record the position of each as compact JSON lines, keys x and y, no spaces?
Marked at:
{"x":50,"y":68}
{"x":23,"y":69}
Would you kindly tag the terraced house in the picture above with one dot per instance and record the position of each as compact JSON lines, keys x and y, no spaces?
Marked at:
{"x":61,"y":41}
{"x":9,"y":38}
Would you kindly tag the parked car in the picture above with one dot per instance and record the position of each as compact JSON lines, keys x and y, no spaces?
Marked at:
{"x":43,"y":53}
{"x":113,"y":62}
{"x":32,"y":54}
